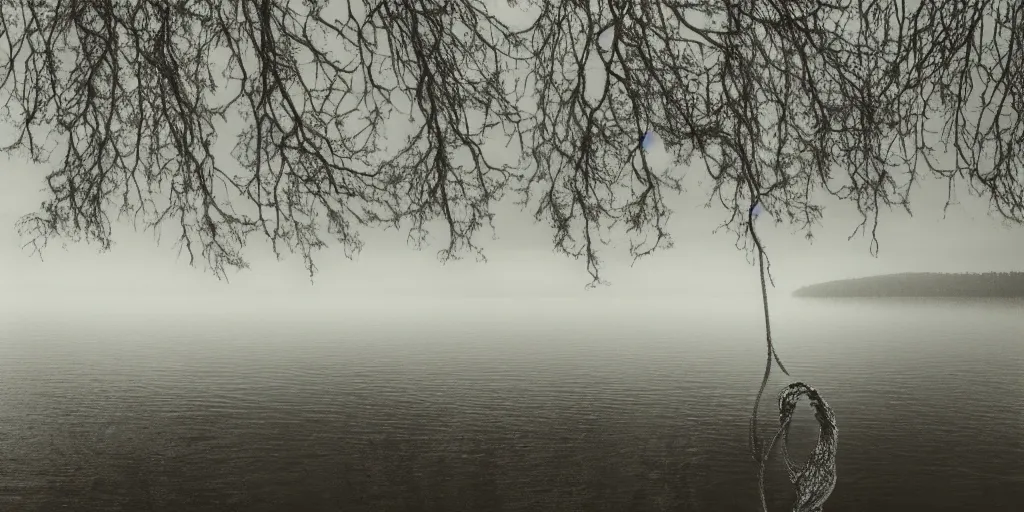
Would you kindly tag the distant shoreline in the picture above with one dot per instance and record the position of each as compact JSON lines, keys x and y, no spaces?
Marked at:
{"x":989,"y":285}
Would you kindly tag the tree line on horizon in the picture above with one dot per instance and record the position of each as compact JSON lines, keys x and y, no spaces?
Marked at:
{"x":923,"y":284}
{"x":777,"y":105}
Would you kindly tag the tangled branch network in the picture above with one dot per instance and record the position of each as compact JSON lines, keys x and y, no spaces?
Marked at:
{"x":779,"y":104}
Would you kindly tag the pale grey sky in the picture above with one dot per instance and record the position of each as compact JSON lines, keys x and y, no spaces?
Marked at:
{"x":521,"y":260}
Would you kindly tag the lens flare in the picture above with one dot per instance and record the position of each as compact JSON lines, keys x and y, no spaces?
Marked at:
{"x":648,"y":141}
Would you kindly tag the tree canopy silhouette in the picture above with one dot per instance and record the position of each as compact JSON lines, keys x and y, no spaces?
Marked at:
{"x":776,"y":100}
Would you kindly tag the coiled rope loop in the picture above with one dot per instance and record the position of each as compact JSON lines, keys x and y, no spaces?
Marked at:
{"x":817,"y":478}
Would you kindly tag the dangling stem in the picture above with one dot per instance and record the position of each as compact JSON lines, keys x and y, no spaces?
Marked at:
{"x":755,"y":444}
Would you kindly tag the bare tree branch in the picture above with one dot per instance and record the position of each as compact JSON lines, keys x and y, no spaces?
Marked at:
{"x":782,"y":101}
{"x":779,"y":101}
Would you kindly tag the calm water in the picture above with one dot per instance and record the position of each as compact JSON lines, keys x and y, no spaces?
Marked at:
{"x":499,"y":406}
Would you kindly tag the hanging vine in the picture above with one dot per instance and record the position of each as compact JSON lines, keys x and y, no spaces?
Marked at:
{"x":780,"y":102}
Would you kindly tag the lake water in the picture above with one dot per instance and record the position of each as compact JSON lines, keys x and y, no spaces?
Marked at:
{"x":491,"y":405}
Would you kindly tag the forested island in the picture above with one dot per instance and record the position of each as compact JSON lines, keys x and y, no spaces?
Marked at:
{"x":922,"y":284}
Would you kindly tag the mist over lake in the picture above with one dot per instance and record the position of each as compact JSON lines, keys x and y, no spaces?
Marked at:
{"x":505,"y":405}
{"x":352,"y":256}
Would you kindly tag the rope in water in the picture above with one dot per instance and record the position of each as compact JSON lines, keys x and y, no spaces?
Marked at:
{"x":816,"y":480}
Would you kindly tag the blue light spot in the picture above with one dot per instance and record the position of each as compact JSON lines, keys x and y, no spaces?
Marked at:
{"x":647,"y":142}
{"x":757,"y":210}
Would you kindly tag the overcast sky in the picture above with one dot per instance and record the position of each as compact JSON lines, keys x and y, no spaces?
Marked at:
{"x":521,"y":262}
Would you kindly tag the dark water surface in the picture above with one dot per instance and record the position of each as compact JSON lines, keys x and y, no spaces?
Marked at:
{"x":498,"y":406}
